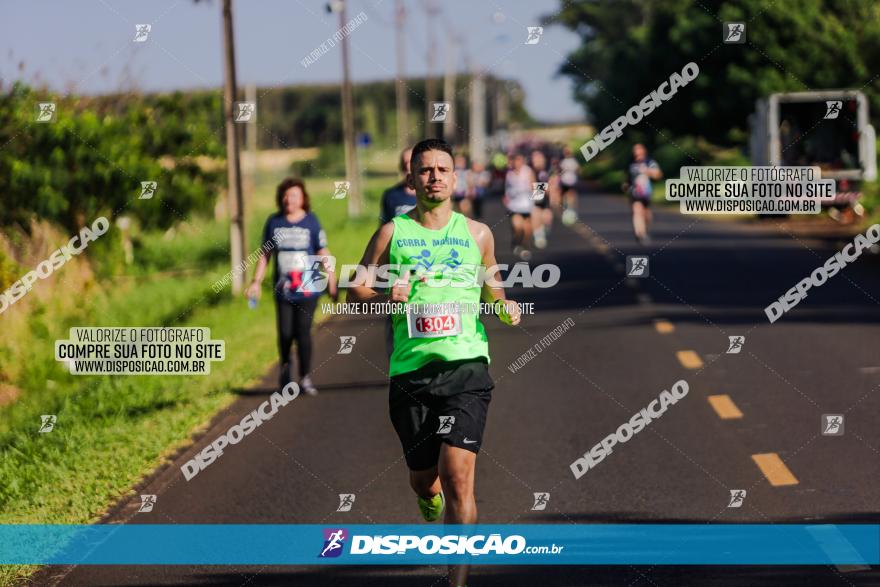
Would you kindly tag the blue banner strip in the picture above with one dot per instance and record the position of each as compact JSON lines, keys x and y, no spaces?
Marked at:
{"x":533,"y":544}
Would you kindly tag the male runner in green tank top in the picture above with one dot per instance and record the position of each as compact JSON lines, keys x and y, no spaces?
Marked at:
{"x":440,"y":385}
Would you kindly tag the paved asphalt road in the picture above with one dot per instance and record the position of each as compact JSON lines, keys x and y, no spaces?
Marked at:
{"x":709,"y":279}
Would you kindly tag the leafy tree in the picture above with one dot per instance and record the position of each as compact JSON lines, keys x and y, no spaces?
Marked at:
{"x":630,"y":46}
{"x":92,"y":159}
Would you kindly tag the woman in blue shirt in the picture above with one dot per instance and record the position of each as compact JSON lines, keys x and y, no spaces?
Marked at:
{"x":295,"y":238}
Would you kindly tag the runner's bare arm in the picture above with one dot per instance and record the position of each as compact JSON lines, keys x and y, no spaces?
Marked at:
{"x":492,"y":289}
{"x":376,"y":253}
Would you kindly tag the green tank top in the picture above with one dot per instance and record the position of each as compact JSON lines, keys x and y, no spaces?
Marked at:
{"x":450,"y":254}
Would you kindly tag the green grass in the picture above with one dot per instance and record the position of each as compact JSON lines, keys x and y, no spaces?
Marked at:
{"x":112,"y":431}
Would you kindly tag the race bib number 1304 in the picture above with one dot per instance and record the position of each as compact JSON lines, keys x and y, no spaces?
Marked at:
{"x":433,"y":323}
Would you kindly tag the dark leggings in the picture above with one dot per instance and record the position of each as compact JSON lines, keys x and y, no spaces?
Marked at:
{"x":295,"y":323}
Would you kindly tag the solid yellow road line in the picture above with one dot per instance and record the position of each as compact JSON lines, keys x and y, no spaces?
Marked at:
{"x":689,"y":359}
{"x":774,"y":469}
{"x":664,"y":326}
{"x":724,"y":407}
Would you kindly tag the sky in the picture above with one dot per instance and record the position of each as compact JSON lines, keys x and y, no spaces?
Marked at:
{"x":87,"y":46}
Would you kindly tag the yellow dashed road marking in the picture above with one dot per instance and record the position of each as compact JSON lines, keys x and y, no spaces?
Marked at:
{"x":774,"y":469}
{"x":664,"y":326}
{"x":724,"y":407}
{"x":689,"y":359}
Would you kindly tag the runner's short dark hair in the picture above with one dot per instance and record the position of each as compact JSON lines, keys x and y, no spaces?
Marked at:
{"x":430,"y":145}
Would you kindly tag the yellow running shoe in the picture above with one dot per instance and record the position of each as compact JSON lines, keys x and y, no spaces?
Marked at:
{"x":432,"y":508}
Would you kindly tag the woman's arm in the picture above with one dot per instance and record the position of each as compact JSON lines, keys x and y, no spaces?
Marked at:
{"x":253,"y":290}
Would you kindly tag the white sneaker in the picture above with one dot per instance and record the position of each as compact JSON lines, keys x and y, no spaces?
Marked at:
{"x":307,"y":386}
{"x":525,"y":254}
{"x":569,"y":217}
{"x":540,"y":238}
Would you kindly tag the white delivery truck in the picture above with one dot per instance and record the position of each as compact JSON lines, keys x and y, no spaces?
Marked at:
{"x":827,"y":128}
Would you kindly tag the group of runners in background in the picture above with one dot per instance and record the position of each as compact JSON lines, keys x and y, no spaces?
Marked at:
{"x":533,"y":190}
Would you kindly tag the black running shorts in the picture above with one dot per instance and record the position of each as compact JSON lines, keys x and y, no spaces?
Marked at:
{"x":440,"y":402}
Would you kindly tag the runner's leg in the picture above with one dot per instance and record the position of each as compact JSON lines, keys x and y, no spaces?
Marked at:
{"x":516,"y":222}
{"x":457,"y":478}
{"x":638,"y":218}
{"x":527,"y":232}
{"x":425,"y":483}
{"x":303,"y":314}
{"x":284,"y":315}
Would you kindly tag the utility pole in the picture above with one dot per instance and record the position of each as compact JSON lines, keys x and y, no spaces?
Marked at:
{"x":449,"y":90}
{"x":250,"y":95}
{"x":233,"y":163}
{"x":402,"y":123}
{"x":478,"y":117}
{"x":352,"y":171}
{"x":502,"y":103}
{"x":430,"y":12}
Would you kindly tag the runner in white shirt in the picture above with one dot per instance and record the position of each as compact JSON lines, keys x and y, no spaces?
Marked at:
{"x":518,"y":187}
{"x":569,"y":167}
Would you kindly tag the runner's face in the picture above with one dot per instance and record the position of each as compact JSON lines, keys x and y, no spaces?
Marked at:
{"x":432,"y":176}
{"x":293,"y":200}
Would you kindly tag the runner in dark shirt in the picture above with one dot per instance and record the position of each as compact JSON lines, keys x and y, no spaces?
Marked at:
{"x":398,"y":199}
{"x":295,"y":238}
